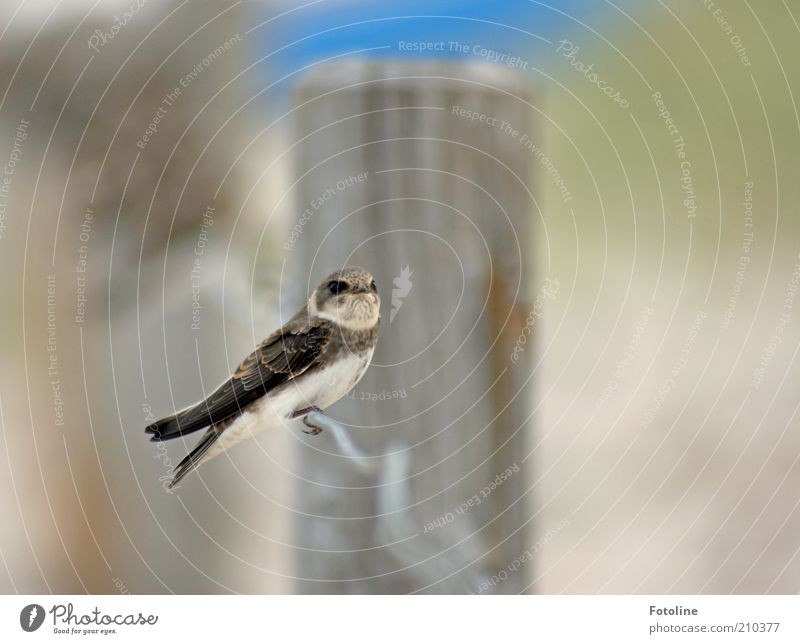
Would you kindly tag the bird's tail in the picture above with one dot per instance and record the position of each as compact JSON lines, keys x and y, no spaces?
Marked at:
{"x":195,"y":457}
{"x":181,"y":422}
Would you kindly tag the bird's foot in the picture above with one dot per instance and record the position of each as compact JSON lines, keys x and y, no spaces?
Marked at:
{"x":313,"y":429}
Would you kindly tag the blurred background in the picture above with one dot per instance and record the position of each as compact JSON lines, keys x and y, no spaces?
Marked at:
{"x":583,"y":220}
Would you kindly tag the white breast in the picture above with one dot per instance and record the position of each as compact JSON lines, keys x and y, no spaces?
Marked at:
{"x":330,"y":384}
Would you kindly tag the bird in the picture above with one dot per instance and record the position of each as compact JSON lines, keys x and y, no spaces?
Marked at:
{"x":306,"y":365}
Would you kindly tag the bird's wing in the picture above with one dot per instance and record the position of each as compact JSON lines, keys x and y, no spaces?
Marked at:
{"x":281,"y":357}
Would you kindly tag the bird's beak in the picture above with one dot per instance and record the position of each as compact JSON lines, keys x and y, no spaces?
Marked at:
{"x":361,"y":289}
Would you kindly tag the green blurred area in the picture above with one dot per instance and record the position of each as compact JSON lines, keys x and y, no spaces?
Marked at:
{"x":738,"y":122}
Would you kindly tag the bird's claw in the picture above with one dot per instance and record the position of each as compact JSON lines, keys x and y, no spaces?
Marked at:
{"x":313,"y":430}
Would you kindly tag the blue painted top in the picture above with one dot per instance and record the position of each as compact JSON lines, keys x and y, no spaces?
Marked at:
{"x":288,"y":37}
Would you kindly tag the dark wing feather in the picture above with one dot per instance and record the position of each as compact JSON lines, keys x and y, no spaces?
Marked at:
{"x":284,"y":355}
{"x":192,"y":459}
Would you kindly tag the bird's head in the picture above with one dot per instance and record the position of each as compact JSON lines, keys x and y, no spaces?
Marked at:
{"x":347,"y":297}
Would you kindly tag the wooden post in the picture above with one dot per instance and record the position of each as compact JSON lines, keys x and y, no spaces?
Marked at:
{"x":414,"y":171}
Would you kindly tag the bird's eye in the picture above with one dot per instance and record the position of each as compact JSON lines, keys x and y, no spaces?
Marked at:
{"x":337,"y":287}
{"x":373,"y":286}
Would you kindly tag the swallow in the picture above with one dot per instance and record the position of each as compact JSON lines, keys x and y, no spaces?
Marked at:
{"x":306,"y":365}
